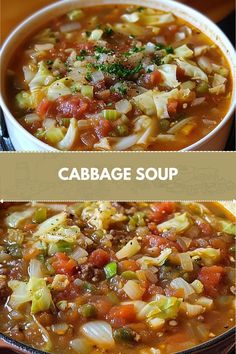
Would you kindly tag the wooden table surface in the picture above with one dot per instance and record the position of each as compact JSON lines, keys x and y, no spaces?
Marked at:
{"x":14,"y":11}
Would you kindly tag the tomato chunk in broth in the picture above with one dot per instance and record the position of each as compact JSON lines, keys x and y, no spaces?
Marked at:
{"x":119,"y":78}
{"x":111,"y":277}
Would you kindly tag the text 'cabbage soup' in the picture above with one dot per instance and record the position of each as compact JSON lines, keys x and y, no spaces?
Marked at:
{"x":119,"y":78}
{"x":102,"y":277}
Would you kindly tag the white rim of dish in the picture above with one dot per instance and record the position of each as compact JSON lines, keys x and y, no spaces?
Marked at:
{"x":181,"y":6}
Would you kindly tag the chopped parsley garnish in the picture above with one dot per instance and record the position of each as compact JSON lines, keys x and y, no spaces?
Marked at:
{"x":160,"y":46}
{"x":118,"y":69}
{"x":149,"y":71}
{"x":134,"y":50}
{"x":169,"y":49}
{"x":108,"y":31}
{"x":82,"y":55}
{"x":88,"y":76}
{"x":49,"y":62}
{"x":88,"y":33}
{"x":140,"y":9}
{"x":103,"y":50}
{"x":83,"y":52}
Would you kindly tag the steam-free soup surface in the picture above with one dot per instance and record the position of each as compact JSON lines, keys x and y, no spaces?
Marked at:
{"x":101,"y":277}
{"x":119,"y":78}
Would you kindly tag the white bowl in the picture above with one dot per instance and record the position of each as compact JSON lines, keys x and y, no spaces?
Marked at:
{"x":24,"y":141}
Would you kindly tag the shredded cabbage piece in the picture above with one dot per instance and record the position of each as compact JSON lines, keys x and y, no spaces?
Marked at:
{"x":43,"y":77}
{"x":179,"y":223}
{"x":59,"y":88}
{"x":168,"y":72}
{"x":209,"y":256}
{"x":146,"y":261}
{"x":192,"y":70}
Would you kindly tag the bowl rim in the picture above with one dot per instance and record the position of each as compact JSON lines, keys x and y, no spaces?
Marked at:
{"x":224,"y":336}
{"x":204,"y":19}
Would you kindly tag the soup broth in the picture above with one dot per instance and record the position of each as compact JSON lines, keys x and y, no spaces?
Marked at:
{"x":119,"y":77}
{"x":102,"y":277}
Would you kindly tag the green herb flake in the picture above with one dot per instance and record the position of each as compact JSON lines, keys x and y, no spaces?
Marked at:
{"x":108,"y":31}
{"x":169,"y":50}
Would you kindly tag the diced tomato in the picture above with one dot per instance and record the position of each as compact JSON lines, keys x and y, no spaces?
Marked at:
{"x":103,"y":129}
{"x":172,"y":107}
{"x":161,"y":210}
{"x":99,"y":258}
{"x":121,"y":315}
{"x":174,"y":292}
{"x":43,"y":107}
{"x":219,"y":244}
{"x":160,"y":242}
{"x":128,"y":265}
{"x":103,"y":307}
{"x":205,"y":228}
{"x":210,"y":278}
{"x":153,"y":290}
{"x":70,"y":106}
{"x":156,"y":77}
{"x":63,"y":264}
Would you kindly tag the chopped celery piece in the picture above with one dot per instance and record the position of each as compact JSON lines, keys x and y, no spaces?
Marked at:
{"x":88,"y":310}
{"x":24,"y":100}
{"x":75,"y":15}
{"x":122,"y":130}
{"x":113,"y":298}
{"x":129,"y":275}
{"x":54,"y":135}
{"x":87,"y":91}
{"x":110,"y":114}
{"x":60,"y":246}
{"x":202,"y":87}
{"x":137,"y":220}
{"x":40,"y":133}
{"x":40,"y":215}
{"x":110,"y":270}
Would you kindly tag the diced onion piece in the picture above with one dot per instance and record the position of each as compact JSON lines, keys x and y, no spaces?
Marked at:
{"x":97,"y":76}
{"x":81,"y":346}
{"x":133,"y":17}
{"x":96,"y":35}
{"x":133,"y":289}
{"x":186,"y":262}
{"x":35,"y":268}
{"x":78,"y":253}
{"x":70,"y":27}
{"x":100,"y":333}
{"x":205,"y":302}
{"x":129,"y":250}
{"x":46,"y":46}
{"x":150,"y":47}
{"x":60,"y":282}
{"x":60,"y":328}
{"x":69,"y":139}
{"x":180,"y":283}
{"x":31,"y":118}
{"x":191,"y":310}
{"x":48,"y":123}
{"x":123,"y":106}
{"x":198,"y":101}
{"x":50,"y":224}
{"x":156,"y":323}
